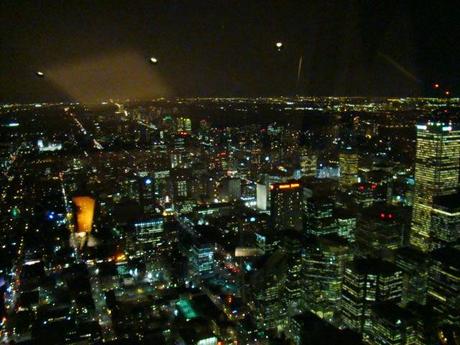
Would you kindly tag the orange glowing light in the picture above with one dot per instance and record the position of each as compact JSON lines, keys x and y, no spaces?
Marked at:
{"x":289,"y":186}
{"x":284,"y":186}
{"x":447,"y":93}
{"x":436,"y":86}
{"x":84,"y":212}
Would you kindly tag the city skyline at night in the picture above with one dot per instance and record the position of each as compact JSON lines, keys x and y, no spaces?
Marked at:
{"x":229,"y":173}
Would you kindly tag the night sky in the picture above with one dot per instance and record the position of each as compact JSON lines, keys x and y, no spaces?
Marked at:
{"x":91,"y":50}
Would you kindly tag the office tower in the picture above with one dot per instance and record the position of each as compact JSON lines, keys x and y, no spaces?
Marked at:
{"x":308,"y":162}
{"x":286,"y":205}
{"x":292,"y":245}
{"x":268,"y":288}
{"x":289,"y":142}
{"x":364,"y":194}
{"x":437,"y":167}
{"x":414,"y":265}
{"x":145,"y":136}
{"x":366,"y":282}
{"x":201,"y":259}
{"x":162,"y":184}
{"x":348,"y":164}
{"x":262,"y":196}
{"x":319,"y":216}
{"x":231,"y":188}
{"x":274,"y":135}
{"x":147,"y":238}
{"x":444,"y":284}
{"x":147,"y":195}
{"x":184,"y":124}
{"x":180,"y":142}
{"x":308,"y":328}
{"x":129,"y":188}
{"x":390,"y":324}
{"x":221,"y":161}
{"x":346,"y":224}
{"x":379,"y":230}
{"x":176,"y":159}
{"x":324,"y":262}
{"x":445,"y":219}
{"x":181,"y":181}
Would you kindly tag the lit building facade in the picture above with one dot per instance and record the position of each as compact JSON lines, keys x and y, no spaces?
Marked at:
{"x":445,"y":219}
{"x":184,"y":124}
{"x":262,"y":196}
{"x":348,"y":165}
{"x":379,"y":230}
{"x":292,"y":245}
{"x":308,"y":163}
{"x":366,"y":282}
{"x":147,"y":194}
{"x":390,"y":324}
{"x":286,"y":205}
{"x":319,"y":217}
{"x":202,"y":259}
{"x":436,"y":174}
{"x":147,"y":238}
{"x":444,"y":284}
{"x":414,"y":265}
{"x":324,"y":263}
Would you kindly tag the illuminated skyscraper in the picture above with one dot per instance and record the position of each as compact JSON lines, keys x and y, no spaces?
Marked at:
{"x":319,"y":216}
{"x":379,"y":230}
{"x":444,"y":284}
{"x":286,"y":205}
{"x":231,"y":188}
{"x":445,"y":219}
{"x":348,"y":164}
{"x":262,"y":196}
{"x":147,"y":194}
{"x":324,"y":263}
{"x":308,"y":162}
{"x":202,"y":259}
{"x":184,"y":124}
{"x":390,"y":324}
{"x":181,"y":182}
{"x":436,"y":174}
{"x":414,"y":265}
{"x":292,"y":245}
{"x":147,"y":238}
{"x":366,"y":282}
{"x":346,"y":224}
